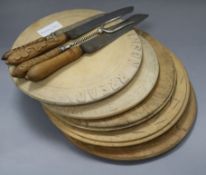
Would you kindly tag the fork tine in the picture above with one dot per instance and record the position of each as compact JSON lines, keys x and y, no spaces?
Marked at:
{"x":132,"y":19}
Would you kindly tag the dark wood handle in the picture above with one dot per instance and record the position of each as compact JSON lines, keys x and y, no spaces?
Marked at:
{"x":46,"y":68}
{"x":21,"y":69}
{"x":35,"y":48}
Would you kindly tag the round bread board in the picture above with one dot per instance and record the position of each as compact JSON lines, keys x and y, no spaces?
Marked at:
{"x":90,"y":78}
{"x":141,"y":85}
{"x":156,"y":100}
{"x":146,"y":131}
{"x":150,"y":149}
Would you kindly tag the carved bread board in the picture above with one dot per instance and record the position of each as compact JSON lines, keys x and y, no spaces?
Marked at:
{"x":90,"y":78}
{"x":156,"y":100}
{"x":137,"y":134}
{"x":139,"y":88}
{"x":169,"y":138}
{"x":150,"y":149}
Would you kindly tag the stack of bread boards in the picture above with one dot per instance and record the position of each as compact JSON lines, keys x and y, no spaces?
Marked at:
{"x":131,"y":100}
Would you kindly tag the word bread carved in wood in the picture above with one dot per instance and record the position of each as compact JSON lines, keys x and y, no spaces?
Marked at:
{"x":90,"y":78}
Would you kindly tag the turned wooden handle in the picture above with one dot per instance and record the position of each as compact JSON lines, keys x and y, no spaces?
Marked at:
{"x":33,"y":49}
{"x":46,"y":68}
{"x":21,"y":69}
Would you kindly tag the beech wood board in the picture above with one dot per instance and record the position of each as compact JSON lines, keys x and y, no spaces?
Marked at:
{"x":157,"y":99}
{"x":146,"y":131}
{"x":139,"y":88}
{"x":90,"y":78}
{"x":150,"y":149}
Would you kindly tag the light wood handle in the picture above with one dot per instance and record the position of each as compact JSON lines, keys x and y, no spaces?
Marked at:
{"x":46,"y":68}
{"x":21,"y":69}
{"x":35,"y":48}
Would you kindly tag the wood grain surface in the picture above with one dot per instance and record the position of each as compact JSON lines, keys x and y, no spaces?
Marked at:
{"x":146,"y":131}
{"x":90,"y":78}
{"x":150,"y":149}
{"x":142,"y":84}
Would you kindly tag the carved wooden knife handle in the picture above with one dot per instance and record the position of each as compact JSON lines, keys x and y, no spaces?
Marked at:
{"x":21,"y":69}
{"x":6,"y":55}
{"x":35,"y":48}
{"x":46,"y":68}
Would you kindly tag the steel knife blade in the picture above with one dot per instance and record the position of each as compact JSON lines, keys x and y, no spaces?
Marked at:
{"x":95,"y":22}
{"x":106,"y":38}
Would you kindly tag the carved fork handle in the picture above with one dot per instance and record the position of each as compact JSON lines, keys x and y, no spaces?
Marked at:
{"x":46,"y":68}
{"x":33,"y":49}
